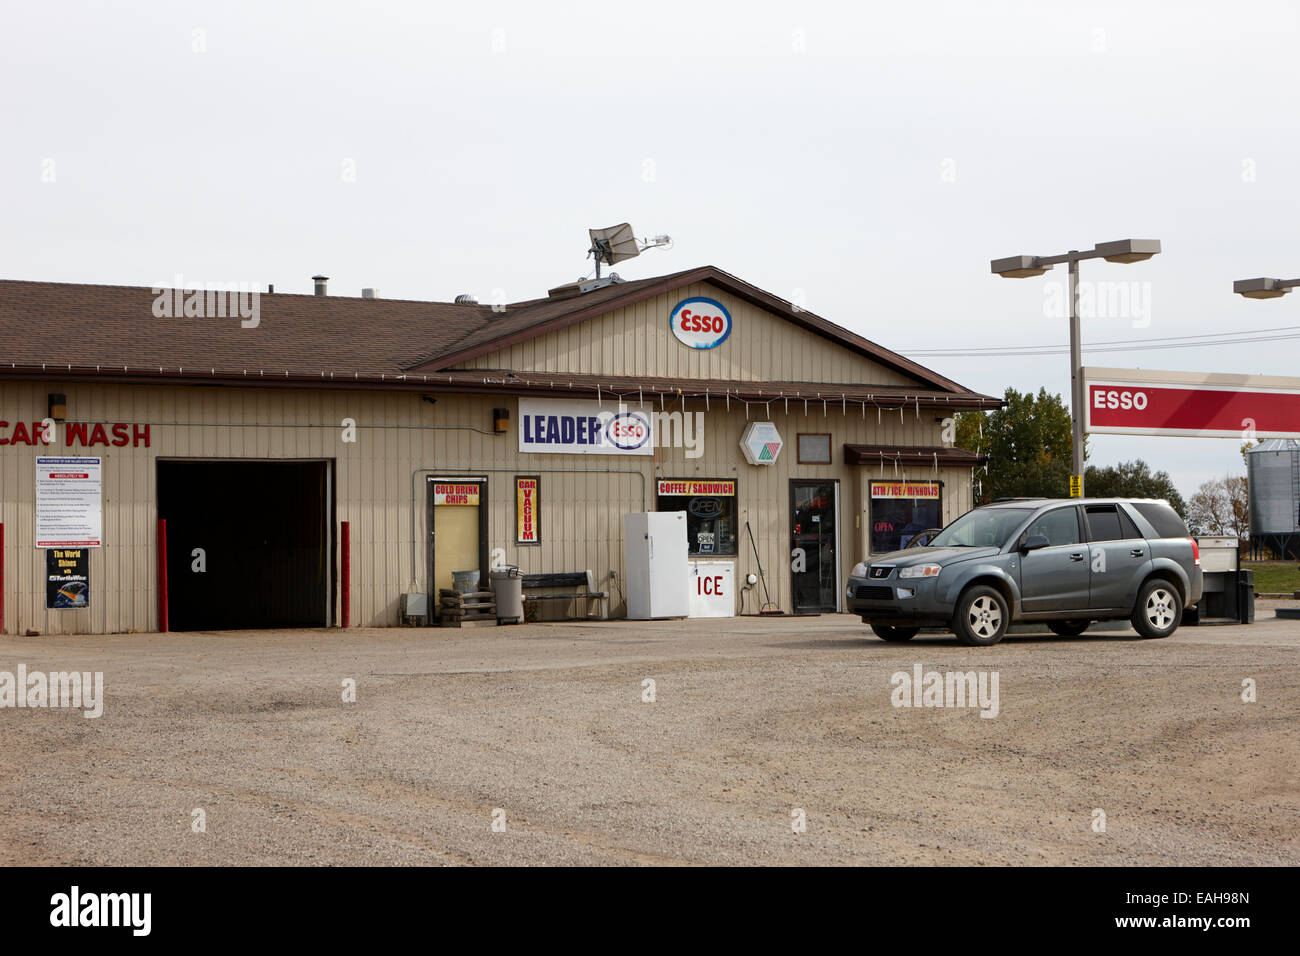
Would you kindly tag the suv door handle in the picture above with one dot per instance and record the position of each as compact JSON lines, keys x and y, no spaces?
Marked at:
{"x":1076,"y":557}
{"x":1136,"y":552}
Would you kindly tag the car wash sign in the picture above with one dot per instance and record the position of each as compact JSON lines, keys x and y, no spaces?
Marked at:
{"x":560,"y":427}
{"x":1191,"y":404}
{"x":700,"y":323}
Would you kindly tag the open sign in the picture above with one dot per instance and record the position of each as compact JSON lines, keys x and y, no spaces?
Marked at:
{"x":700,"y":323}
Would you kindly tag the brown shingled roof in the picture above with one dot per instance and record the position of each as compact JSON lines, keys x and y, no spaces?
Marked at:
{"x":112,"y":332}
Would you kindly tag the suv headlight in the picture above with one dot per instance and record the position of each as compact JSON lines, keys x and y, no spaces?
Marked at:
{"x":920,"y":571}
{"x":859,"y":570}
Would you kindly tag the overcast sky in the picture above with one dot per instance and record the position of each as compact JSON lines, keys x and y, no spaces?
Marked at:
{"x":865,"y":159}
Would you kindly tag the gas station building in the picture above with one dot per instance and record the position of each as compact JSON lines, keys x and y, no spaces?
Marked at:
{"x":308,"y":464}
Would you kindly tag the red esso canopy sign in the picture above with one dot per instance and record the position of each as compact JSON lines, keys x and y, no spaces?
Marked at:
{"x":1192,"y":405}
{"x":700,"y":323}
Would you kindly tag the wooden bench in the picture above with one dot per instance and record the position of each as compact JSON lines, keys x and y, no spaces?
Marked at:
{"x":584,"y":580}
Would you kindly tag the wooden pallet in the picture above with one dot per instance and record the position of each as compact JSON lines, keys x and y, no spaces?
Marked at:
{"x":457,"y":607}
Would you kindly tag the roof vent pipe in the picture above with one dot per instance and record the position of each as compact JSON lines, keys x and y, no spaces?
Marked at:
{"x":320,"y":284}
{"x":466,"y":299}
{"x":370,"y":293}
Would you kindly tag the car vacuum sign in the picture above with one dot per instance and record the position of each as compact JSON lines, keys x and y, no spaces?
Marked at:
{"x":700,"y":323}
{"x":560,"y":427}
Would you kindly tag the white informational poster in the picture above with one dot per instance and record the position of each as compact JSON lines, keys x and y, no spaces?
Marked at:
{"x":564,"y":427}
{"x":69,"y":503}
{"x":712,"y":590}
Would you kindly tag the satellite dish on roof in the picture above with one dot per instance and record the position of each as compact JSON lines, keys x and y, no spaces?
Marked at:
{"x":613,"y":244}
{"x":617,"y":243}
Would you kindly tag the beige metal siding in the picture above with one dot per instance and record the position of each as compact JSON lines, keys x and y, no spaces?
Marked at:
{"x":400,"y":442}
{"x":636,"y":340}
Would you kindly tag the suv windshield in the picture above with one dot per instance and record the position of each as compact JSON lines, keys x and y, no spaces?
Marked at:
{"x":981,"y":528}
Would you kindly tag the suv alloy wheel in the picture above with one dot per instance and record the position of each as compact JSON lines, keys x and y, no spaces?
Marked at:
{"x":981,"y":616}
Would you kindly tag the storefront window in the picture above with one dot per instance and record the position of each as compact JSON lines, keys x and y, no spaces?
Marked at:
{"x":902,"y":509}
{"x":710,"y":506}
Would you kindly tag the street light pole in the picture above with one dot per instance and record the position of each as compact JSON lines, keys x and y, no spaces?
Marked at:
{"x":1076,"y":375}
{"x":1022,"y":267}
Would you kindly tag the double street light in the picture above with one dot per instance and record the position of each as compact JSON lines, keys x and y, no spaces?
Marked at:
{"x":1022,"y":267}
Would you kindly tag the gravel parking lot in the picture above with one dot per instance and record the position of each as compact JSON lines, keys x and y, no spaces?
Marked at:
{"x":753,"y":720}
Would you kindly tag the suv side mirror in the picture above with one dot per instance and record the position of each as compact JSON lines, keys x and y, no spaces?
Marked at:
{"x":1033,"y":543}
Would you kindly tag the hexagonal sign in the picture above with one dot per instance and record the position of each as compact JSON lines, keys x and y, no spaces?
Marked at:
{"x":761,"y":443}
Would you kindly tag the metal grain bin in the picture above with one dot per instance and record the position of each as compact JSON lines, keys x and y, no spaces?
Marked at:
{"x":1273,"y":468}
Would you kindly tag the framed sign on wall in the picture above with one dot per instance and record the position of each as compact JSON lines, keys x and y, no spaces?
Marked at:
{"x":528,"y":509}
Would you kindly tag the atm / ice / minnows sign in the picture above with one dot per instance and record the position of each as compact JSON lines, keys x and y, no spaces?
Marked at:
{"x":558,"y":427}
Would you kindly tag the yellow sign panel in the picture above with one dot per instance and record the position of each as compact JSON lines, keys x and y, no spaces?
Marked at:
{"x":694,"y":487}
{"x":528,"y":511}
{"x":905,"y":489}
{"x":1076,"y":487}
{"x":455,"y":493}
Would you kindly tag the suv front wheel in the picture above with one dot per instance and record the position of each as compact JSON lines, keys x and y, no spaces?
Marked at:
{"x":981,"y":616}
{"x":1159,"y":609}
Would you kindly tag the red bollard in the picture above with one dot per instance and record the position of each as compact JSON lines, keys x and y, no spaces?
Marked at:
{"x":162,"y":574}
{"x":345,"y":543}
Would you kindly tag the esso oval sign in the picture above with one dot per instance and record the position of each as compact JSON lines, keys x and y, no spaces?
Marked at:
{"x":700,"y":323}
{"x":628,"y":430}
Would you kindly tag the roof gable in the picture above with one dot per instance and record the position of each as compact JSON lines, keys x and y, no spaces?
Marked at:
{"x":528,"y":321}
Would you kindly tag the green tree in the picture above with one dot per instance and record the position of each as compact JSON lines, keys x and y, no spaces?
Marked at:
{"x":1133,"y":479}
{"x":1028,"y":443}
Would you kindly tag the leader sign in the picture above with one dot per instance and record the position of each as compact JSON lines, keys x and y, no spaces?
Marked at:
{"x":1192,"y":404}
{"x":562,"y":427}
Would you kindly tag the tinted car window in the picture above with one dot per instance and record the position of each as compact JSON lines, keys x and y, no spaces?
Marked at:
{"x":1163,"y":518}
{"x":1105,"y":523}
{"x":981,"y":527}
{"x":1058,"y":527}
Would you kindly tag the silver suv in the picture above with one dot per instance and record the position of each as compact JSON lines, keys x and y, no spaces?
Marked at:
{"x":1065,"y":561}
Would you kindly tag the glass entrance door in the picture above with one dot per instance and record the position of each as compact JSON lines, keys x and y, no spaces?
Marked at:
{"x":814,"y":542}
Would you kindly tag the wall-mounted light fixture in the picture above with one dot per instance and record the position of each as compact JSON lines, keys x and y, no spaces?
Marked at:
{"x":501,"y":420}
{"x":58,"y":407}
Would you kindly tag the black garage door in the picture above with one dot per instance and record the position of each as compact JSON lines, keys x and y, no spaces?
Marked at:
{"x":263,"y":528}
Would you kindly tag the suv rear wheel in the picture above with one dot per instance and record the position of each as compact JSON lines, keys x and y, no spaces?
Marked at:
{"x":981,"y":616}
{"x":1159,"y":609}
{"x":895,"y":635}
{"x":1068,"y":628}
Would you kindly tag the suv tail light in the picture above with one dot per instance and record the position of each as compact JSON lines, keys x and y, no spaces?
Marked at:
{"x":1196,"y":552}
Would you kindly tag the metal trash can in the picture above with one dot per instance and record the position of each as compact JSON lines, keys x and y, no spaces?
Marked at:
{"x":1246,"y":596}
{"x":466,"y":582}
{"x":508,"y":589}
